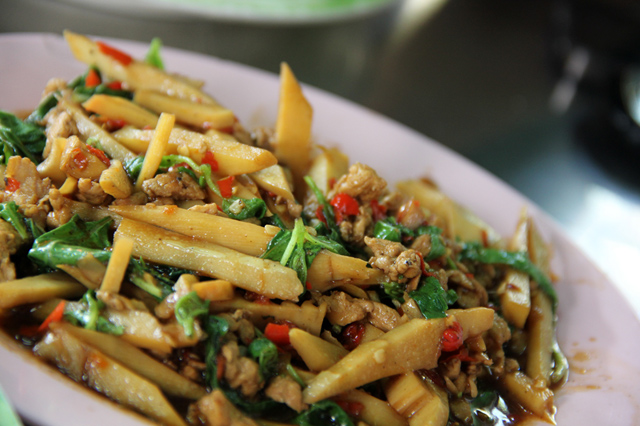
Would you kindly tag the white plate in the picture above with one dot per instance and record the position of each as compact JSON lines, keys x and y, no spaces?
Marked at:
{"x":248,"y":11}
{"x":597,"y":329}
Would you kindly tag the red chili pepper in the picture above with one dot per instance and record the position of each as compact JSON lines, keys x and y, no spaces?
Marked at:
{"x":352,"y":335}
{"x":226,"y":186}
{"x":80,"y":160}
{"x":55,"y":316}
{"x":332,"y":182}
{"x":12,"y":184}
{"x":346,"y":204}
{"x":220,"y":362}
{"x":115,"y":85}
{"x":320,"y":215}
{"x":100,"y":154}
{"x":423,"y":265}
{"x":116,"y":54}
{"x":379,"y":211}
{"x":462,"y":354}
{"x":352,"y":408}
{"x":92,"y":79}
{"x":277,"y":333}
{"x":210,"y":160}
{"x":452,"y":337}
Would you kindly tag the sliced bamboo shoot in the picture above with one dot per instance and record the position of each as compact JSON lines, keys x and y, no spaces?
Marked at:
{"x":375,"y":412}
{"x":133,"y":358}
{"x":169,"y":248}
{"x":293,"y":128}
{"x":308,"y":316}
{"x":330,"y":270}
{"x":39,"y":288}
{"x":419,"y":400}
{"x":85,"y":363}
{"x":118,"y":108}
{"x":540,"y":328}
{"x":157,"y":148}
{"x":317,"y":353}
{"x":234,"y":234}
{"x":537,"y":399}
{"x":411,"y":346}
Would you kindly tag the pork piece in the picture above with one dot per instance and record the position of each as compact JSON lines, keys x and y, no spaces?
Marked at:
{"x":215,"y":410}
{"x":495,"y":339}
{"x":32,"y":193}
{"x":343,"y":309}
{"x":399,"y":263}
{"x":411,"y":215}
{"x":353,"y":230}
{"x":10,"y":241}
{"x":471,"y":293}
{"x":263,"y":137}
{"x":60,"y":124}
{"x":241,"y":372}
{"x":286,"y":390}
{"x":361,"y":182}
{"x":179,"y":186}
{"x":54,"y":85}
{"x":61,"y":206}
{"x":90,"y":191}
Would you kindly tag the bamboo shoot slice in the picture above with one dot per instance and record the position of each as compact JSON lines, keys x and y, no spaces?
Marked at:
{"x":411,"y":346}
{"x":317,"y":353}
{"x":254,"y":274}
{"x":540,"y":327}
{"x":133,"y":358}
{"x":375,"y":412}
{"x":118,"y":108}
{"x":418,"y":400}
{"x":38,"y":288}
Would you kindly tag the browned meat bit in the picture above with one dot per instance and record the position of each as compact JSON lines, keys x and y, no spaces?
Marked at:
{"x":495,"y":338}
{"x":361,"y":182}
{"x":90,"y":191}
{"x":399,"y":263}
{"x":78,"y":161}
{"x":136,"y":199}
{"x":286,"y":390}
{"x":192,"y":367}
{"x":61,"y":206}
{"x":411,"y":215}
{"x":54,"y":85}
{"x":60,"y":124}
{"x":179,"y":186}
{"x":241,"y":372}
{"x":342,"y":309}
{"x":215,"y":410}
{"x":353,"y":230}
{"x":240,"y":325}
{"x":470,"y":292}
{"x":32,"y":192}
{"x":10,"y":241}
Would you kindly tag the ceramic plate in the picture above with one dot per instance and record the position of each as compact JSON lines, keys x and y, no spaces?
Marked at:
{"x":249,"y":11}
{"x":597,"y":329}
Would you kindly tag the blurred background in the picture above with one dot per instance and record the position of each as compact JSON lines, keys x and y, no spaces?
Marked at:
{"x":542,"y":93}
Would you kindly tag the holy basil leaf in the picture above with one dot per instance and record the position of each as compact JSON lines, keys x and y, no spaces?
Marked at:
{"x":394,"y":291}
{"x":20,"y":138}
{"x":69,"y":243}
{"x":431,"y":298}
{"x":241,"y":209}
{"x":157,"y":280}
{"x":438,"y":248}
{"x":134,"y":166}
{"x":386,"y":230}
{"x":46,"y":105}
{"x":87,"y":313}
{"x":153,"y":57}
{"x":323,"y":413}
{"x":265,"y":353}
{"x":188,"y":308}
{"x":517,"y":260}
{"x":10,"y":212}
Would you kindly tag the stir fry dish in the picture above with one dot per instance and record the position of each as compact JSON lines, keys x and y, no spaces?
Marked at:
{"x":196,"y":272}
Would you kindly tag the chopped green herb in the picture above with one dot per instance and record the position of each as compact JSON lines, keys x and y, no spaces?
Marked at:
{"x":431,"y":298}
{"x":188,"y":308}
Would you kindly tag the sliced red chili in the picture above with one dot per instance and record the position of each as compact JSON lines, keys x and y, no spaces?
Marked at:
{"x":378,"y":210}
{"x":226,"y":186}
{"x":352,"y":408}
{"x":320,"y":215}
{"x":210,"y":159}
{"x":116,"y":54}
{"x":100,"y":154}
{"x":12,"y":184}
{"x":452,"y":337}
{"x":277,"y":333}
{"x":115,"y":85}
{"x":260,"y":299}
{"x":92,"y":79}
{"x":55,"y":316}
{"x":346,"y":204}
{"x":352,"y":335}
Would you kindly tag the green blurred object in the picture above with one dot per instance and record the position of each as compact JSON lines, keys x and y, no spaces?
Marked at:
{"x":7,"y":413}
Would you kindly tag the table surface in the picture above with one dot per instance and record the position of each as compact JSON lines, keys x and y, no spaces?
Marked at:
{"x":527,"y":93}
